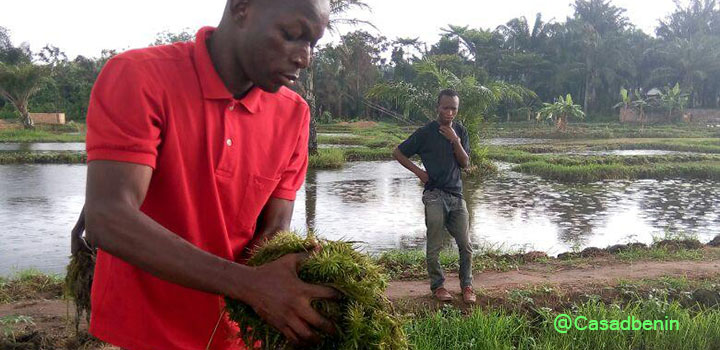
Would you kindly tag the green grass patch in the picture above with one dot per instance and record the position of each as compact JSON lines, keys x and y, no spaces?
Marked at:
{"x":450,"y":329}
{"x":367,"y":154}
{"x":600,"y":131}
{"x":341,"y":140}
{"x":381,"y":135}
{"x":702,"y":145}
{"x":411,"y":264}
{"x":55,"y":157}
{"x":30,"y":284}
{"x":664,"y":254}
{"x":45,"y":133}
{"x":615,"y":171}
{"x":327,"y":158}
{"x":579,"y":168}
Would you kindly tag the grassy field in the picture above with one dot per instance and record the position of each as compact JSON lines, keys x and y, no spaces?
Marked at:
{"x":512,"y":330}
{"x":410,"y":264}
{"x":600,"y":131}
{"x":583,"y":168}
{"x":57,"y":157}
{"x":13,"y":132}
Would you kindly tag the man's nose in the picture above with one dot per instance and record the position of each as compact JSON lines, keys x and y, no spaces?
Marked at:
{"x":303,"y":57}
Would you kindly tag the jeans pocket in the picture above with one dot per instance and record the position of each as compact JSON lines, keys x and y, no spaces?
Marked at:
{"x":431,"y":196}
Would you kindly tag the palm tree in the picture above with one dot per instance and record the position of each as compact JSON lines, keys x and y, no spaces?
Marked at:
{"x":307,"y":88}
{"x":598,"y":24}
{"x":476,"y":100}
{"x":18,"y":83}
{"x":561,"y":110}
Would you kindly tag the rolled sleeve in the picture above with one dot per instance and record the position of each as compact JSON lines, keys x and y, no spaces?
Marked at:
{"x":124,"y":120}
{"x":294,"y":175}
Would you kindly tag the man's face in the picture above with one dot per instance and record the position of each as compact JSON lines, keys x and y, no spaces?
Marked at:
{"x":448,"y":109}
{"x":276,"y":40}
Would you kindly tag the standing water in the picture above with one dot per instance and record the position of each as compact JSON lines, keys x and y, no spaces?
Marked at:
{"x":377,"y":204}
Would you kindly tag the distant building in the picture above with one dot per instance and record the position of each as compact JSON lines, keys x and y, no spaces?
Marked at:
{"x":48,"y":118}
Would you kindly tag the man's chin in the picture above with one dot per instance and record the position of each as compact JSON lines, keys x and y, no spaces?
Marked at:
{"x":269,"y":87}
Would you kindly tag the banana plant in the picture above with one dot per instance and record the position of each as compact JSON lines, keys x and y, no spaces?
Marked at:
{"x":561,"y":110}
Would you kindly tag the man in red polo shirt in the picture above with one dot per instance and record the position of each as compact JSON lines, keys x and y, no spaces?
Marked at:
{"x":195,"y":150}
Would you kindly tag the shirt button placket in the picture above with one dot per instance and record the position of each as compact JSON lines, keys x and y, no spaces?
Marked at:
{"x":228,"y":140}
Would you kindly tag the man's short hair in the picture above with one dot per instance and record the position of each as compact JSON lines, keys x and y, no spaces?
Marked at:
{"x":448,"y":93}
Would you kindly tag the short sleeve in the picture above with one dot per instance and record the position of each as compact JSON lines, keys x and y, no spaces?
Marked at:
{"x":124,"y":120}
{"x":293,"y":176}
{"x":411,"y":146}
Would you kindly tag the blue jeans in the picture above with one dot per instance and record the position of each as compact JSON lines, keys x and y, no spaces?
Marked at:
{"x":444,"y":211}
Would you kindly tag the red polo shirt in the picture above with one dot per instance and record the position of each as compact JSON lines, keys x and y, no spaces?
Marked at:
{"x":217,"y":160}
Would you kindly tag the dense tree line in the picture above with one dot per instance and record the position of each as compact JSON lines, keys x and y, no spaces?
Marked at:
{"x":592,"y":56}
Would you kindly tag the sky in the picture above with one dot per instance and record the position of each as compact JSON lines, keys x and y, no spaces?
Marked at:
{"x":85,"y":27}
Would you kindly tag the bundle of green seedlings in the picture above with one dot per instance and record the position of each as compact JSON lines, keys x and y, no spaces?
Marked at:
{"x":78,"y":283}
{"x":363,"y":315}
{"x":80,"y":271}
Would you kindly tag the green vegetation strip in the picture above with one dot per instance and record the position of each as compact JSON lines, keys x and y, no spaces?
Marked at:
{"x":449,"y":329}
{"x":39,"y":135}
{"x":335,"y":158}
{"x":28,"y":285}
{"x":602,"y":131}
{"x":577,"y":168}
{"x":57,"y":157}
{"x":598,"y":172}
{"x":410,"y":264}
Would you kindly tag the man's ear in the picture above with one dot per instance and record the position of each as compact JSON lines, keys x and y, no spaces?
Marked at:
{"x":238,"y":10}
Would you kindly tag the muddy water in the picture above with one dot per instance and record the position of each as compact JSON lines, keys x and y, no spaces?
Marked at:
{"x":378,"y":205}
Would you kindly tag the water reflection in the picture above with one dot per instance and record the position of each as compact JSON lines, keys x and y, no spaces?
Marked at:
{"x":379,"y":204}
{"x":38,"y":206}
{"x":43,"y":146}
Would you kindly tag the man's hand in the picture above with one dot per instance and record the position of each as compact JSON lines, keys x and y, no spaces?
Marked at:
{"x":449,"y":134}
{"x":281,"y":299}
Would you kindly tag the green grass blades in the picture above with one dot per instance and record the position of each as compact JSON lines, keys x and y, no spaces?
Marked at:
{"x":364,"y":317}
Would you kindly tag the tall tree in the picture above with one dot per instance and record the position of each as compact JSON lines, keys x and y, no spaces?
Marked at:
{"x":338,"y":9}
{"x":598,"y":25}
{"x":18,"y":83}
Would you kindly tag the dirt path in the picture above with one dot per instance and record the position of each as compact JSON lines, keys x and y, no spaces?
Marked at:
{"x":576,"y":277}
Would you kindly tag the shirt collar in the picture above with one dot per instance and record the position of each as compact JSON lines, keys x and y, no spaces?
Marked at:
{"x":210,"y":82}
{"x":212,"y":86}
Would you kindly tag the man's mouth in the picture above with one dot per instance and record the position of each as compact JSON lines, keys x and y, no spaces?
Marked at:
{"x":289,"y":79}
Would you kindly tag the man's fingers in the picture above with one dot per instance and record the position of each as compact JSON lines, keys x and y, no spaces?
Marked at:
{"x":303,"y":331}
{"x":322,"y":292}
{"x":316,"y":320}
{"x":290,"y":335}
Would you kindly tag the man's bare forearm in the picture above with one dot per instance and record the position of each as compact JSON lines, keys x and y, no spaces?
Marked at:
{"x":407,"y":163}
{"x":129,"y":234}
{"x":460,"y":155}
{"x":275,"y":217}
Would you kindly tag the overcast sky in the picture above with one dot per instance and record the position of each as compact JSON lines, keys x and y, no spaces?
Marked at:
{"x":85,"y":27}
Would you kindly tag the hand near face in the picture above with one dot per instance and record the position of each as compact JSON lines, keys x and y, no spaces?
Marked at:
{"x":449,"y":133}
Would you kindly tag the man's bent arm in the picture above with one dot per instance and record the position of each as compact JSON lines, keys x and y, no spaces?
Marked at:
{"x":460,"y":155}
{"x":408,"y":164}
{"x":276,"y":216}
{"x":115,"y":224}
